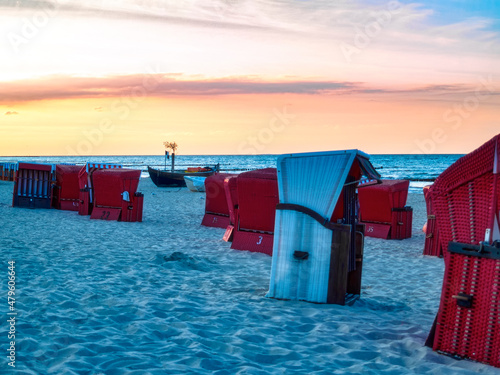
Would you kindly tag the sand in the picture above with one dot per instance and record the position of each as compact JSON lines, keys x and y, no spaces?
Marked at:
{"x":168,"y":296}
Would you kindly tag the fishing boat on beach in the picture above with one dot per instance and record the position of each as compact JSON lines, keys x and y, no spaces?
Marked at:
{"x":173,"y":177}
{"x":163,"y":178}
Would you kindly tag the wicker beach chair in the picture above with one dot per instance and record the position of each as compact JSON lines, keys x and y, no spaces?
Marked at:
{"x":85,"y":182}
{"x":67,"y":188}
{"x":33,"y":187}
{"x":383,"y":210}
{"x":216,"y":208}
{"x":116,"y":196}
{"x":466,"y":201}
{"x":257,"y":199}
{"x":315,"y":258}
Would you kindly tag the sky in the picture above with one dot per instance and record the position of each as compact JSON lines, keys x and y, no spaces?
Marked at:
{"x":109,"y":77}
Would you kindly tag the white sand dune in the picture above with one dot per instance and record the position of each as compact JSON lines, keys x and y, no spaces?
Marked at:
{"x":168,"y":296}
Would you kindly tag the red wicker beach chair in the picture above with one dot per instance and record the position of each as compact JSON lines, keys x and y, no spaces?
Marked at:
{"x":383,"y":211}
{"x":33,"y":187}
{"x":257,"y":200}
{"x":466,"y":201}
{"x":216,"y":208}
{"x":86,"y":185}
{"x":432,"y":244}
{"x":67,"y":188}
{"x":116,"y":196}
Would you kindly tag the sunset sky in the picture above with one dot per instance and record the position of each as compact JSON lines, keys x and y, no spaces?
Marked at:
{"x":105,"y":77}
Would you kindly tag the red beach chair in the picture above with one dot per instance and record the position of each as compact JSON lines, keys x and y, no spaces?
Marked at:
{"x":383,"y":211}
{"x":85,"y":183}
{"x":257,"y":200}
{"x":216,"y":208}
{"x":67,"y":188}
{"x":432,"y":244}
{"x":116,"y":196}
{"x":466,"y":199}
{"x":33,"y":186}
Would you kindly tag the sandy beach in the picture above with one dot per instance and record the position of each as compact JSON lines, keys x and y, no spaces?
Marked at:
{"x":168,"y":296}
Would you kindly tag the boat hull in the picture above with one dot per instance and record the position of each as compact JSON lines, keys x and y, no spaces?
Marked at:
{"x":174,"y":179}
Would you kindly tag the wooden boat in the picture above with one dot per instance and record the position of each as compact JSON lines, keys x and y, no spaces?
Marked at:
{"x":164,"y":178}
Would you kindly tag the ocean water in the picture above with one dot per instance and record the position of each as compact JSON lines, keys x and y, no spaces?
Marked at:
{"x":421,"y":170}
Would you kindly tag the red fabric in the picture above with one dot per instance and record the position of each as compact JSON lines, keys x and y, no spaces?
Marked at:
{"x":402,"y":220}
{"x":109,"y":184}
{"x":257,"y":199}
{"x":377,"y":201}
{"x":253,"y":241}
{"x":67,"y":181}
{"x":35,"y":167}
{"x":216,"y":202}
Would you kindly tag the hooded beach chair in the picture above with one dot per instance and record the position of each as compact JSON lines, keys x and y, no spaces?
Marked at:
{"x":115,"y":195}
{"x":85,"y":182}
{"x":315,"y":258}
{"x":383,"y":211}
{"x":33,"y":187}
{"x":257,"y":199}
{"x":466,"y":199}
{"x":216,"y":208}
{"x":67,"y":187}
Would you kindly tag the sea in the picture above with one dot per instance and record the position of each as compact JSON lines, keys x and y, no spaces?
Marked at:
{"x":420,"y":170}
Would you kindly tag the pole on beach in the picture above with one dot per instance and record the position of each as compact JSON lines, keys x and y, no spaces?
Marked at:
{"x":173,"y":160}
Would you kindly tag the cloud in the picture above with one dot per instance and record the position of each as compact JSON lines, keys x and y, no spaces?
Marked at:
{"x":11,"y":113}
{"x":157,"y":85}
{"x":175,"y":85}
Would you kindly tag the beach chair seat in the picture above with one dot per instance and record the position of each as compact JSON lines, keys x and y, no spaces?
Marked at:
{"x":317,"y":255}
{"x":33,"y":187}
{"x":383,"y":210}
{"x":116,"y":196}
{"x":216,"y":208}
{"x":432,"y":245}
{"x":257,"y":199}
{"x":67,"y":187}
{"x":85,"y":178}
{"x":466,"y":199}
